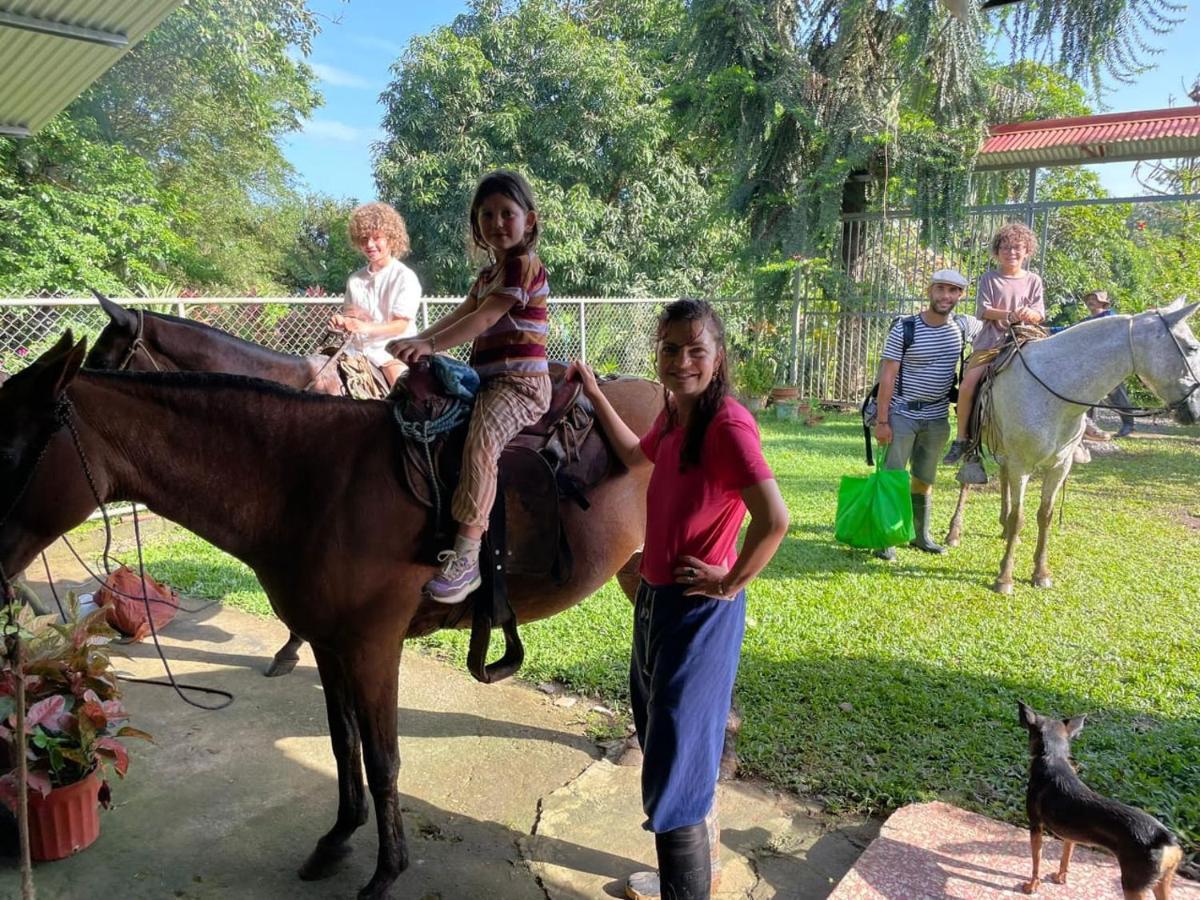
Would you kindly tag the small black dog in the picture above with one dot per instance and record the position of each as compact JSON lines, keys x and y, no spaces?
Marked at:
{"x":1059,"y":803}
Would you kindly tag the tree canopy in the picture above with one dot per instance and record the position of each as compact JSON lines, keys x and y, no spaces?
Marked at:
{"x":818,"y":92}
{"x":573,"y":95}
{"x":148,"y":179}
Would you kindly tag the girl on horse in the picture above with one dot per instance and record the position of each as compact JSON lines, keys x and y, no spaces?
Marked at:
{"x":382,"y":297}
{"x":506,"y":317}
{"x":691,"y":604}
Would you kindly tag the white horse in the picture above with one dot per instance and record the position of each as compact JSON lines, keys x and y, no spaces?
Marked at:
{"x":1038,"y":404}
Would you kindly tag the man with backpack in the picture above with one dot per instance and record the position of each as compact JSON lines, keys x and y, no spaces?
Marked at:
{"x":918,"y":380}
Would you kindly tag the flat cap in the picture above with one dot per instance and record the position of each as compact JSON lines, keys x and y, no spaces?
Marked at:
{"x":949,"y":276}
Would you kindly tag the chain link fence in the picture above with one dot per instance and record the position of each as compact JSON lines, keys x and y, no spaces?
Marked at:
{"x":611,"y":334}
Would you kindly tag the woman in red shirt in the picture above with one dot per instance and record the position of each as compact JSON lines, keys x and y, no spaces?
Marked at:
{"x":691,"y":603}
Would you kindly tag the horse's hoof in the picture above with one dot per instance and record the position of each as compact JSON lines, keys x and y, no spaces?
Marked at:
{"x":1003,"y":587}
{"x":953,"y":540}
{"x":1043,"y":581}
{"x":324,"y":861}
{"x":281,"y":666}
{"x":377,"y":889}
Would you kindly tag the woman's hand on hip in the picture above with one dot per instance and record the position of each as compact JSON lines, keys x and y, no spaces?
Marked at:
{"x":701,"y":579}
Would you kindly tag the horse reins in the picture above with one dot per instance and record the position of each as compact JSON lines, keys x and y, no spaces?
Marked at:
{"x":334,"y":357}
{"x":63,"y":418}
{"x":1135,"y":412}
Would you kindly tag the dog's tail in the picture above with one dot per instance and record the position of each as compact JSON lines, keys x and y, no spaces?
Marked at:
{"x":1172,"y":856}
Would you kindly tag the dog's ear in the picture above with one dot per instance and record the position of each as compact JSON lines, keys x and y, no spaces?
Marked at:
{"x":1028,"y":717}
{"x":1074,"y":725}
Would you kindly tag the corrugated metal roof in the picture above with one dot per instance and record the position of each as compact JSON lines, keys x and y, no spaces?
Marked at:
{"x":1115,"y":137}
{"x":40,"y":73}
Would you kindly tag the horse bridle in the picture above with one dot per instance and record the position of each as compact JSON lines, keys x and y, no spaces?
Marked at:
{"x":1141,"y":412}
{"x":139,"y":343}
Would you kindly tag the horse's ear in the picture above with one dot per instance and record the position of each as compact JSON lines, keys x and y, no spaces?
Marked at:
{"x":61,"y":346}
{"x":119,"y":314}
{"x":1177,"y":312}
{"x":57,"y":367}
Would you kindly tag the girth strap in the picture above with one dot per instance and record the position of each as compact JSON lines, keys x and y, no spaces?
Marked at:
{"x":491,"y":606}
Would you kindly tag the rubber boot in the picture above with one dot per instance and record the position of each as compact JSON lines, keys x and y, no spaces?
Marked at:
{"x":921,"y":514}
{"x":684,"y":867}
{"x":646,"y":886}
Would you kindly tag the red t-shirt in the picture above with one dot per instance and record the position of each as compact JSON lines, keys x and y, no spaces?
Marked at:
{"x":699,"y":511}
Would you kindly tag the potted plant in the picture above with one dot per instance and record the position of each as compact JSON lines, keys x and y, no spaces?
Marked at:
{"x":785,"y":399}
{"x":753,"y":379}
{"x":74,"y":723}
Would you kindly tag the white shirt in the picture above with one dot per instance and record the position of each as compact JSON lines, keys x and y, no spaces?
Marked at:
{"x":394,"y":292}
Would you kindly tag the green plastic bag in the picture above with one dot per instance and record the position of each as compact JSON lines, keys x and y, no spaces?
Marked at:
{"x":875,"y":511}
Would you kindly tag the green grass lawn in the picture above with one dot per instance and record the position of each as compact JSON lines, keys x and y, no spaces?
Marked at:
{"x":870,"y":685}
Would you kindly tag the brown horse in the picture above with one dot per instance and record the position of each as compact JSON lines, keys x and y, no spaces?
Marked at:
{"x":250,"y":467}
{"x":152,"y":342}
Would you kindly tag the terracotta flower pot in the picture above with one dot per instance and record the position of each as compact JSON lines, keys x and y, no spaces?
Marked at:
{"x":785,"y":394}
{"x":65,"y":821}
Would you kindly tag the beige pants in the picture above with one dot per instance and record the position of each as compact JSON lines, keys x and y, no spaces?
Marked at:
{"x":505,"y":404}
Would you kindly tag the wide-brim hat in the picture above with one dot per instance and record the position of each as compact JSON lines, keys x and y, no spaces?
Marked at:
{"x":949,"y":276}
{"x":1101,"y":297}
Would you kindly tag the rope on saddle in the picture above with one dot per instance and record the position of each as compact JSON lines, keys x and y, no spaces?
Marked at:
{"x":427,"y":431}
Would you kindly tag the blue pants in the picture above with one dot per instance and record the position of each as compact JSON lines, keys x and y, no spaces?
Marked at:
{"x":685,"y":659}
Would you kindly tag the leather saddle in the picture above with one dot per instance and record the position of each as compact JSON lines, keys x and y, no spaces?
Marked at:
{"x":361,"y":379}
{"x":561,"y":456}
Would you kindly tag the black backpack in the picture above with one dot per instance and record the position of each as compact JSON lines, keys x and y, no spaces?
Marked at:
{"x":908,"y":334}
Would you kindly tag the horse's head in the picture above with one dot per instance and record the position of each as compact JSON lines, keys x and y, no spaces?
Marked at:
{"x":1168,"y":358}
{"x":32,"y":411}
{"x":115,"y":348}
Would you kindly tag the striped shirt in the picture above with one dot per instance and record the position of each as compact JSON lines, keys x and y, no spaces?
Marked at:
{"x":927,"y":368}
{"x":516,"y":344}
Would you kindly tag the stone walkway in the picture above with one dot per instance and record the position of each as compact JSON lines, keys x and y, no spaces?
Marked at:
{"x":504,"y":795}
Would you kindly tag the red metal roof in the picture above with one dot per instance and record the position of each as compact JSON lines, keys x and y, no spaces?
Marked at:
{"x":1114,"y":137}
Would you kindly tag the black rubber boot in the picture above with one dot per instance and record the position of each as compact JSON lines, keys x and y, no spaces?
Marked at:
{"x":684,"y":866}
{"x":921,"y":514}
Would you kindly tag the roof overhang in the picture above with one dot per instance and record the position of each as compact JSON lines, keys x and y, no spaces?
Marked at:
{"x":52,"y":50}
{"x":1085,"y":140}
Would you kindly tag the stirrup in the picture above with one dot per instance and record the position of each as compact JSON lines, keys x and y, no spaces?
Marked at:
{"x":972,"y":472}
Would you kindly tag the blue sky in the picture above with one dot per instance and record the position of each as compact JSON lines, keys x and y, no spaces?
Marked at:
{"x":361,"y":39}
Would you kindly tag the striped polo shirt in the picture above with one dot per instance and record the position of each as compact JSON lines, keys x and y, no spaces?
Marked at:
{"x":516,"y":344}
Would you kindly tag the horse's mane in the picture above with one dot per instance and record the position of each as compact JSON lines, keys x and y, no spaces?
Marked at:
{"x":222,"y":335}
{"x":222,"y":381}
